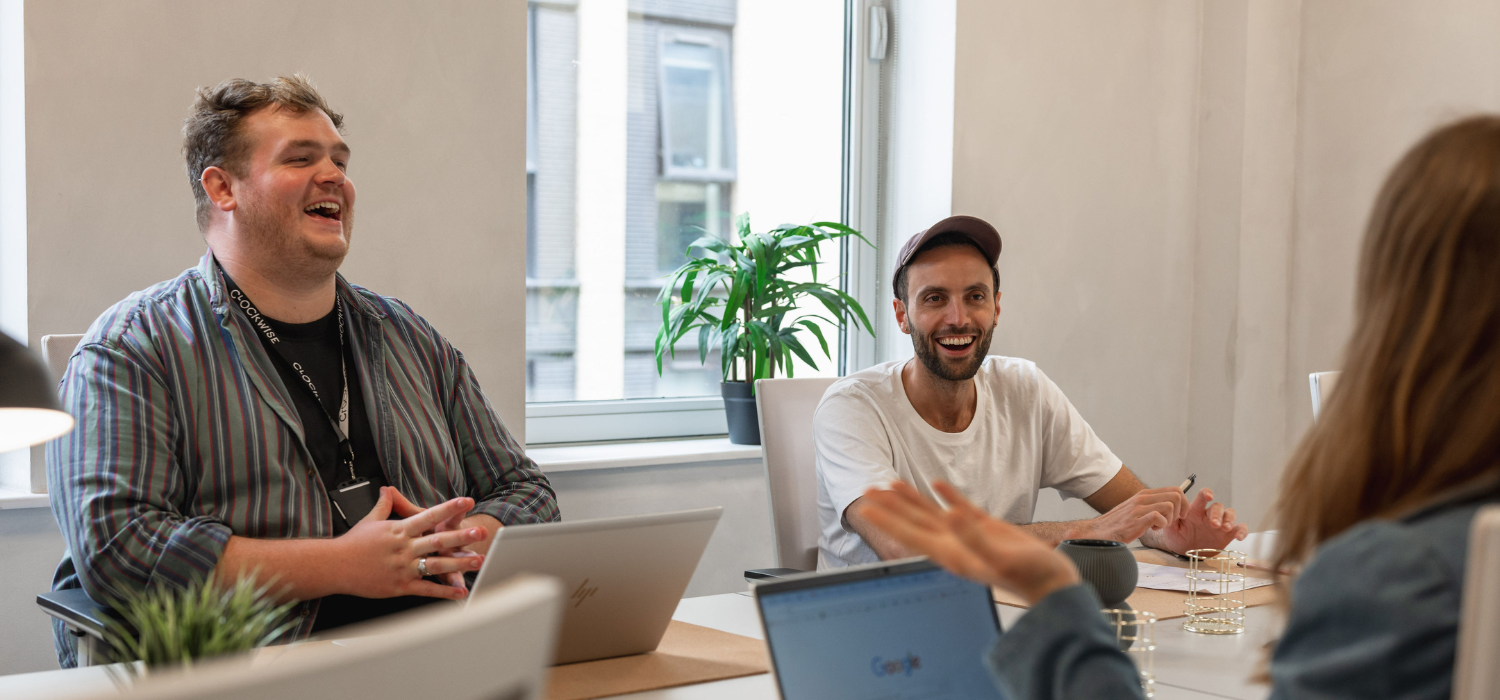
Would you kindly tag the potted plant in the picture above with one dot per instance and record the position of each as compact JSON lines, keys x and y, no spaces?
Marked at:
{"x":737,"y":297}
{"x":171,"y":627}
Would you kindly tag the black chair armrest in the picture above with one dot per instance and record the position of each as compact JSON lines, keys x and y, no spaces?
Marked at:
{"x":755,"y":575}
{"x":76,"y":609}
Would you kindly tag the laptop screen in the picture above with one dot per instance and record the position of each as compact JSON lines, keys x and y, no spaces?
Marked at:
{"x":915,"y":632}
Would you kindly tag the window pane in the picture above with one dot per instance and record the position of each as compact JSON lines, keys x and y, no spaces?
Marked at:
{"x":551,"y":313}
{"x":718,"y":118}
{"x":682,"y":375}
{"x":694,"y":110}
{"x":687,"y":211}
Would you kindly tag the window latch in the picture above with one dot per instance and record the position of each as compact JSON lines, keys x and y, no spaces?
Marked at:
{"x":879,"y":31}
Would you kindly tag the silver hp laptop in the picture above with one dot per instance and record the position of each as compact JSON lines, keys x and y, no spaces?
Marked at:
{"x":622,"y":577}
{"x":902,"y":629}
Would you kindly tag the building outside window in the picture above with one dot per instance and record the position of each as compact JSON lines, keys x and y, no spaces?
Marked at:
{"x":725,"y":107}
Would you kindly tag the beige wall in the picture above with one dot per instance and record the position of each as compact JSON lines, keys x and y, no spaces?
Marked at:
{"x":1182,"y":186}
{"x":1071,"y":124}
{"x":1139,"y":159}
{"x":434,"y":99}
{"x":1376,"y":77}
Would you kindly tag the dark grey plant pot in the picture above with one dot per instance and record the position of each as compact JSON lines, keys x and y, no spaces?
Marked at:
{"x":739,"y":412}
{"x":1107,"y":566}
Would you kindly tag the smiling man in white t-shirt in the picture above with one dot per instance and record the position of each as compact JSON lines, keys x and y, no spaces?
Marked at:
{"x":995,"y":427}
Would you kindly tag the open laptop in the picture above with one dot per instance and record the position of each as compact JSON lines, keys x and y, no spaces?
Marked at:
{"x":622,"y":577}
{"x":902,"y":629}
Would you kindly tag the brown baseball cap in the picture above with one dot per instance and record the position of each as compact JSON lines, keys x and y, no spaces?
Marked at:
{"x":978,"y":230}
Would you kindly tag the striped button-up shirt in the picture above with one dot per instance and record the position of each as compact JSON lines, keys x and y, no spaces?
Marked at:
{"x":187,"y":435}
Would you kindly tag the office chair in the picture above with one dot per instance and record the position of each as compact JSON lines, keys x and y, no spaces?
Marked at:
{"x":786,"y":408}
{"x":83,"y":617}
{"x":1475,"y":675}
{"x":1321,"y":384}
{"x":497,"y":647}
{"x":56,"y":349}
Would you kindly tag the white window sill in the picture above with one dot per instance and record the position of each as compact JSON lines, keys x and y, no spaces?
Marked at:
{"x":560,"y":458}
{"x":10,"y":499}
{"x":573,"y":422}
{"x":621,"y":455}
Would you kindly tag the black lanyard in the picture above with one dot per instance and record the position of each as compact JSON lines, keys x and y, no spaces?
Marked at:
{"x":341,"y":424}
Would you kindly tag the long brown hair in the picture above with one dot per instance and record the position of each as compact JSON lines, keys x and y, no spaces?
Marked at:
{"x":1415,"y":414}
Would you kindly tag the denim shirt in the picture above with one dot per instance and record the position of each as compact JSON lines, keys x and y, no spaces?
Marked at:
{"x":1374,"y":616}
{"x":187,"y":435}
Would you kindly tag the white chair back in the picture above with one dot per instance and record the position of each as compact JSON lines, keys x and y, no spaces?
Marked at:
{"x":496,"y":648}
{"x":1321,"y":384}
{"x":1476,"y":676}
{"x":56,"y":349}
{"x":786,"y":409}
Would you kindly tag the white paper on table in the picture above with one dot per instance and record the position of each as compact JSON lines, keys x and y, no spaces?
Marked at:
{"x":1171,"y":578}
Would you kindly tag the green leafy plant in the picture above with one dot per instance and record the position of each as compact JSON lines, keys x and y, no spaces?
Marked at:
{"x":177,"y":627}
{"x":755,"y":316}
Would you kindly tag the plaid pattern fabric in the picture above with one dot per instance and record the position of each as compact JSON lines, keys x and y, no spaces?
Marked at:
{"x":187,"y":435}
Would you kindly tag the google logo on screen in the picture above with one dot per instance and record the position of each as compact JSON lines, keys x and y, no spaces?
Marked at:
{"x":895,"y":667}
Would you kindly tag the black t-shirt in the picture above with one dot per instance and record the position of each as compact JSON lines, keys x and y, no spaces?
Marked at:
{"x":315,"y":346}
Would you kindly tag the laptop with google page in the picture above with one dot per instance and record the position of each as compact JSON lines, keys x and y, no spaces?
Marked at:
{"x":903,"y":629}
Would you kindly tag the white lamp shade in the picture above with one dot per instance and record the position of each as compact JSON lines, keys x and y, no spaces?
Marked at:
{"x":29,"y":411}
{"x":24,"y":427}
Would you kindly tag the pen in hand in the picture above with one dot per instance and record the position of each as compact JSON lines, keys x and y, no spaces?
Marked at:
{"x":1186,"y":484}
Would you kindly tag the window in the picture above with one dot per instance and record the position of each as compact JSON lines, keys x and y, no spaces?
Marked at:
{"x":717,"y":117}
{"x":697,"y":124}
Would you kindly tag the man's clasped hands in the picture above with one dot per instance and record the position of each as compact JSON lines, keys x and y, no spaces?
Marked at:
{"x":384,"y":556}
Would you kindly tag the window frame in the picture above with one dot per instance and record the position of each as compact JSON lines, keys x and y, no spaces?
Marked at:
{"x":561,"y":422}
{"x":532,"y":140}
{"x":624,"y":419}
{"x":532,"y":144}
{"x":865,"y":78}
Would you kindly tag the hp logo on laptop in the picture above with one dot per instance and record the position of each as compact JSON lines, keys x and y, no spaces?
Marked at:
{"x":583,"y":593}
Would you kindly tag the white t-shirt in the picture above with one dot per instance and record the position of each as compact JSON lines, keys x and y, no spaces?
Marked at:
{"x":1025,"y":435}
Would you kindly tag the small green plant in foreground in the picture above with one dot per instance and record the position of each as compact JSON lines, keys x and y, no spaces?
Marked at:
{"x":178,"y":627}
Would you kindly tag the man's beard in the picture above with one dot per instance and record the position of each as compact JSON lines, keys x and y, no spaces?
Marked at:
{"x":932,"y":359}
{"x":272,"y":232}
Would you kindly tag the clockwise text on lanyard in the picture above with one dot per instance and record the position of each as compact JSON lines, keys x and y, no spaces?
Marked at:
{"x":341,"y":426}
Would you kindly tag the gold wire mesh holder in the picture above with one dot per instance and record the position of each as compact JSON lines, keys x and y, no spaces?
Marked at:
{"x":1135,"y":632}
{"x":1216,"y":592}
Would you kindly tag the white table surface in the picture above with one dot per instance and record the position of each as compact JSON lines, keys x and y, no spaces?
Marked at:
{"x":1187,"y":665}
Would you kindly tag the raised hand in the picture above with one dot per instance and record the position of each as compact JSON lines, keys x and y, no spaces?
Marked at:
{"x":379,"y":556}
{"x":1203,"y":525}
{"x":967,"y":542}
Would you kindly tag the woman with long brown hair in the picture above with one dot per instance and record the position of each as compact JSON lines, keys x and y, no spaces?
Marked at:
{"x":1376,"y":502}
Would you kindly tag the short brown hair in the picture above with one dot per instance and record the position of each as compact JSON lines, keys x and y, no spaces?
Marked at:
{"x":950,"y":239}
{"x":211,"y":135}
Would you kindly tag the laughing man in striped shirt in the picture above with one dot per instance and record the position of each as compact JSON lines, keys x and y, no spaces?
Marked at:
{"x":260,"y":413}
